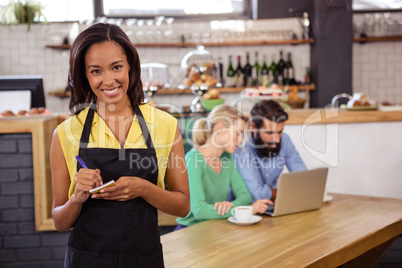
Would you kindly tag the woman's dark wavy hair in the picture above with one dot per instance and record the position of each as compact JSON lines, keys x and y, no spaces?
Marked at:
{"x":267,"y":109}
{"x":81,"y":92}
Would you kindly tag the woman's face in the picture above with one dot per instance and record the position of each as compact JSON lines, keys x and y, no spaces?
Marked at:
{"x":230,"y":137}
{"x":107,"y":71}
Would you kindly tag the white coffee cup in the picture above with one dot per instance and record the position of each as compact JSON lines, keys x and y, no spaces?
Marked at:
{"x":242,"y":213}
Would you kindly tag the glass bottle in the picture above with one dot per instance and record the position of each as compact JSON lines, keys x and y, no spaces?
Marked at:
{"x":281,"y":69}
{"x":247,"y":72}
{"x":230,"y":74}
{"x":256,"y":71}
{"x":239,"y":80}
{"x":290,"y":78}
{"x":273,"y":71}
{"x":264,"y":72}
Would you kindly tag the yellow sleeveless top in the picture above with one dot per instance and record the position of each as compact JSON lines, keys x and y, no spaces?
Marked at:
{"x":161,"y":125}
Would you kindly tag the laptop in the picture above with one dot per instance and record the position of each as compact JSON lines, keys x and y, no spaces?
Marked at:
{"x":299,"y":191}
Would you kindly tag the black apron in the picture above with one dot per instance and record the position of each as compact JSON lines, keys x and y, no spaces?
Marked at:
{"x":114,"y":233}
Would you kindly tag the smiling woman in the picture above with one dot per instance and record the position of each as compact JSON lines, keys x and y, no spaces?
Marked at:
{"x":120,"y":220}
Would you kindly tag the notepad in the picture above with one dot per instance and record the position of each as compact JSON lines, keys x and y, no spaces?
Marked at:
{"x":105,"y":185}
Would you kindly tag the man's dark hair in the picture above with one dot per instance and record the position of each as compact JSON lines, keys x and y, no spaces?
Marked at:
{"x":269,"y":109}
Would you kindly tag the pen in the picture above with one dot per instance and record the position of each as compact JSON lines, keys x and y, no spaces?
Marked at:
{"x":81,"y":161}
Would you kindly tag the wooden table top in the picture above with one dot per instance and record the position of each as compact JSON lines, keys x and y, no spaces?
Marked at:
{"x":341,"y":230}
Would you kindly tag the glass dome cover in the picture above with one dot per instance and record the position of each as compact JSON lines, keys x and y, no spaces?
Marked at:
{"x":197,"y":68}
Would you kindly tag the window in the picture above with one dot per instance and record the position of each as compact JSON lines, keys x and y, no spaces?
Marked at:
{"x":377,"y":5}
{"x":175,"y":8}
{"x":68,"y":10}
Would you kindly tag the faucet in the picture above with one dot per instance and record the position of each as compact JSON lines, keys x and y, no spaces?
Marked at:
{"x":337,"y":97}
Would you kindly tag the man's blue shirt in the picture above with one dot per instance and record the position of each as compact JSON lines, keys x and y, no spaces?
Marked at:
{"x":261,"y":173}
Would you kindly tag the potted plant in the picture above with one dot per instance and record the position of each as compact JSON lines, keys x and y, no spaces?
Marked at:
{"x":26,"y":11}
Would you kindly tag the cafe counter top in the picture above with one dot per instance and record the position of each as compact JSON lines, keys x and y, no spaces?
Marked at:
{"x":296,"y":116}
{"x":330,"y":115}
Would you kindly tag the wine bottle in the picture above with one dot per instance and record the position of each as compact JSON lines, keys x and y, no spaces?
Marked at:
{"x":230,"y":74}
{"x":248,"y":80}
{"x":239,"y":80}
{"x":273,"y":71}
{"x":281,"y":69}
{"x":256,"y":71}
{"x":307,"y":76}
{"x":264,"y":72}
{"x":219,"y":75}
{"x":290,"y":75}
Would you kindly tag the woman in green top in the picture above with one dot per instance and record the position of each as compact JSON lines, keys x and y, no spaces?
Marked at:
{"x":211,"y":168}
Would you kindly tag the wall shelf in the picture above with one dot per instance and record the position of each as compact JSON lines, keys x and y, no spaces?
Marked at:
{"x":377,"y":39}
{"x":223,"y":44}
{"x":250,"y":43}
{"x":227,"y":90}
{"x":61,"y":47}
{"x":240,"y":43}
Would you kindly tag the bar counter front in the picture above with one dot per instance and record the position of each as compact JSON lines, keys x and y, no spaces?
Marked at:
{"x":350,"y":230}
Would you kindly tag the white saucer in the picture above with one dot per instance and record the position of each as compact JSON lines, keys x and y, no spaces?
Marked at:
{"x":328,"y":198}
{"x":254,"y":219}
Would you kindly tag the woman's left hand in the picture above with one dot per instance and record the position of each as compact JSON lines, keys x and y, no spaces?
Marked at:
{"x":223,"y":207}
{"x":126,"y":188}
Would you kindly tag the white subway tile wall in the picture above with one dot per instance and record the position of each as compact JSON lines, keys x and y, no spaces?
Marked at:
{"x":376,"y":66}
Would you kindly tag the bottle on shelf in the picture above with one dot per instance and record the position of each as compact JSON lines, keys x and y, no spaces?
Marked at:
{"x":281,"y":69}
{"x":273,"y":71}
{"x":239,"y":73}
{"x":307,"y":76}
{"x":247,"y":77}
{"x":289,"y":70}
{"x":219,"y":73}
{"x":230,"y":74}
{"x":264,"y":71}
{"x":256,"y":71}
{"x":306,"y":26}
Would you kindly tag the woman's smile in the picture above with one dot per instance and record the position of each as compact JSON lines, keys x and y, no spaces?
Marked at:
{"x":112,"y":91}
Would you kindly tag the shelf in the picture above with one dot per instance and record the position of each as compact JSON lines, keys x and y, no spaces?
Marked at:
{"x":377,"y":39}
{"x":224,"y":44}
{"x":249,"y":43}
{"x":226,"y":90}
{"x":61,"y":47}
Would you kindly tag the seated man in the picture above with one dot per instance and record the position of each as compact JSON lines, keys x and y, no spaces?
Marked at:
{"x":261,"y":160}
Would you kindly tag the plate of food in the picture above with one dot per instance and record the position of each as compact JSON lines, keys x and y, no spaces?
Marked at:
{"x":362,"y":108}
{"x":360,"y":102}
{"x":263,"y":93}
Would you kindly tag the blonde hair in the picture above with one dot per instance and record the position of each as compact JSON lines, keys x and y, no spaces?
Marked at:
{"x":203,"y":127}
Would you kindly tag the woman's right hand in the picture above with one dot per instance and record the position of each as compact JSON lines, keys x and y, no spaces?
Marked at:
{"x":85,"y":180}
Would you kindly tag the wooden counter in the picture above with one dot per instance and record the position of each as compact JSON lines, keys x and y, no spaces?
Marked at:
{"x":327,"y":116}
{"x":41,"y":128}
{"x":321,"y":116}
{"x":355,"y":230}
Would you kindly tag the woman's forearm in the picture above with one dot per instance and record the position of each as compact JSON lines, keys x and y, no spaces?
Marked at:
{"x":66,"y":215}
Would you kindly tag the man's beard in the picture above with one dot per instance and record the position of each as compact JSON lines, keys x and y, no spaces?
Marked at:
{"x":263,"y":149}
